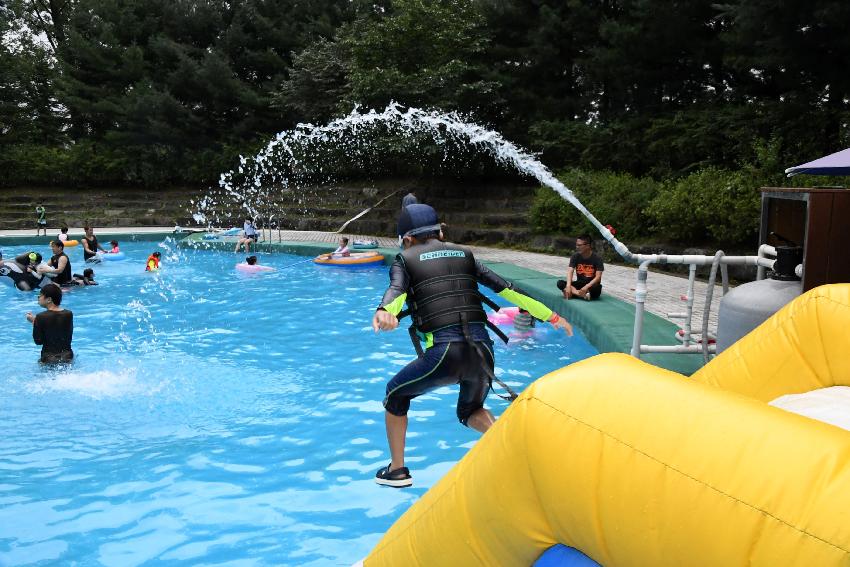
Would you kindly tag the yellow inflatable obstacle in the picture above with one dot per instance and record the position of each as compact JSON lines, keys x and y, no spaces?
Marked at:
{"x":635,"y":465}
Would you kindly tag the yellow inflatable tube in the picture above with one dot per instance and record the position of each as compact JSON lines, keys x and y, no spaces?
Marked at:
{"x":635,"y":465}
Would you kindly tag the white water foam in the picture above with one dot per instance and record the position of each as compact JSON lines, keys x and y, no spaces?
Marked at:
{"x":101,"y":384}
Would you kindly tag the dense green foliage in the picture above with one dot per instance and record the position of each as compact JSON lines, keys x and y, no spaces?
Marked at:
{"x":614,"y":198}
{"x":708,"y":206}
{"x":666,"y":98}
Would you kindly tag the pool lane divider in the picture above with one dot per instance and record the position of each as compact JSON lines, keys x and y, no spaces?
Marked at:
{"x":607,"y":323}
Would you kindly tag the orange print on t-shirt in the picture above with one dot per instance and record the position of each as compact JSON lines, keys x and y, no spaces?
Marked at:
{"x":585,"y":271}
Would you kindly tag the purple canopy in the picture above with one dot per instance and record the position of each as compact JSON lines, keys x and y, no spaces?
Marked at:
{"x":833,"y":164}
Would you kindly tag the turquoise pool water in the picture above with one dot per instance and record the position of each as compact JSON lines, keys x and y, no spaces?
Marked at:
{"x":216,"y":418}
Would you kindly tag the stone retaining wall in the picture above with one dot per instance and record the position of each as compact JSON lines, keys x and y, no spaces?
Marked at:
{"x":476,"y":213}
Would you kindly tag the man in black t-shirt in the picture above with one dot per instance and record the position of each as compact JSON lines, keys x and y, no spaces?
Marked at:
{"x":587,"y":267}
{"x":53,"y":328}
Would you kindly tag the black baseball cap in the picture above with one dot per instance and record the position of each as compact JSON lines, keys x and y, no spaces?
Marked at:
{"x":418,"y":219}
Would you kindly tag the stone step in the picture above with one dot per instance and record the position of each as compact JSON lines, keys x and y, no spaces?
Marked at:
{"x":478,"y":213}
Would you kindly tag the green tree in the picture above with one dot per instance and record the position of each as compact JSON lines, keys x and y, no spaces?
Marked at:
{"x":318,"y":82}
{"x":789,"y":60}
{"x":534,"y":58}
{"x":419,"y":53}
{"x":167,"y":85}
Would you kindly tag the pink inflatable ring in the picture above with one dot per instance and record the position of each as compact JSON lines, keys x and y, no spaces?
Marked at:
{"x":504,"y":316}
{"x":253,"y":268}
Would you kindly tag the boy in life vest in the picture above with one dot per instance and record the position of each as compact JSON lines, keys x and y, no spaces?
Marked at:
{"x":439,"y":283}
{"x":41,"y":219}
{"x":153,"y":262}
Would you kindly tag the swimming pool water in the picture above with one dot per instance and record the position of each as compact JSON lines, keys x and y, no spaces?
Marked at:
{"x":213,"y":417}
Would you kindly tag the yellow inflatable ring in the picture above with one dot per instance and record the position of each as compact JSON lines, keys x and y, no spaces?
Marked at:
{"x":635,"y":465}
{"x":71,"y":243}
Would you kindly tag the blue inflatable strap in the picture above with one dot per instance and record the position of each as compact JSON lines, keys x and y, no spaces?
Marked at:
{"x":562,"y":556}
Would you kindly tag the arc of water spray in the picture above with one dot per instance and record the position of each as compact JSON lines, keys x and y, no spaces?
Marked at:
{"x":414,"y":120}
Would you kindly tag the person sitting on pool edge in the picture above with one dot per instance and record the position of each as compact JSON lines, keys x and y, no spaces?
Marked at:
{"x":439,"y":282}
{"x":53,"y":328}
{"x":588,"y":268}
{"x":249,"y":235}
{"x":152,"y":264}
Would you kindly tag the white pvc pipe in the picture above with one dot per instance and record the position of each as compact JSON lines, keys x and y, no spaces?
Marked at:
{"x":677,"y":349}
{"x":640,"y":299}
{"x":709,"y":294}
{"x":764,"y":250}
{"x":703,"y":260}
{"x":692,"y":276}
{"x":693,"y":261}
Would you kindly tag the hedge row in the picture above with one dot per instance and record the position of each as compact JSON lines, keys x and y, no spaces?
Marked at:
{"x":710,"y":206}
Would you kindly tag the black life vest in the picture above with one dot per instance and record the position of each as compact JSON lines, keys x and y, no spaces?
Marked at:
{"x":443,"y":288}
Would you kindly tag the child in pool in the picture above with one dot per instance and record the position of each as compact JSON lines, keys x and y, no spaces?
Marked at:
{"x":153,"y":262}
{"x":86,"y":279}
{"x":524,"y":322}
{"x":115,"y":249}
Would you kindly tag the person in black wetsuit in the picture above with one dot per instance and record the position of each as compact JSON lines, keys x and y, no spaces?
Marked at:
{"x":91,"y":246}
{"x":59,"y":266}
{"x":22,"y":271}
{"x":439,"y":283}
{"x":53,"y":328}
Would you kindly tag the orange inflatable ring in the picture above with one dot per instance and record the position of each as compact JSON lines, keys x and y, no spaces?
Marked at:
{"x":354,"y":260}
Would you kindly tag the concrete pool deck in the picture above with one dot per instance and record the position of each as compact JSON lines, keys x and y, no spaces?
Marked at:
{"x":608,"y":323}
